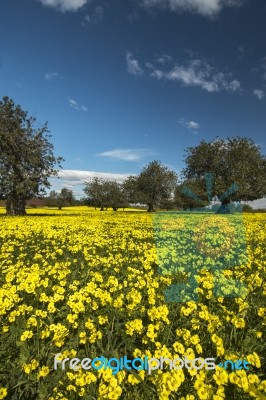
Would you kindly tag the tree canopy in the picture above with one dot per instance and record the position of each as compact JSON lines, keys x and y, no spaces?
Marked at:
{"x":26,"y":157}
{"x":103,"y":193}
{"x":235,"y":166}
{"x":64,"y":198}
{"x":156,"y":183}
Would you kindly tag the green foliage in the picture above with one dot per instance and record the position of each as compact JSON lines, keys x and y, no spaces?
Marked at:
{"x":62,"y":199}
{"x":232,"y":161}
{"x":247,"y":208}
{"x":26,"y":157}
{"x":156,"y":183}
{"x":186,"y":202}
{"x":131,"y":190}
{"x":102,"y":193}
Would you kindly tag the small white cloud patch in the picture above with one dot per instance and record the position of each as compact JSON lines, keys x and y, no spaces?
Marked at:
{"x":52,"y":76}
{"x":73,"y":103}
{"x":127,"y":154}
{"x":133,"y":65}
{"x":259,"y":94}
{"x":76,"y":177}
{"x":64,"y":5}
{"x":207,"y":8}
{"x":197,"y":73}
{"x":191,"y":125}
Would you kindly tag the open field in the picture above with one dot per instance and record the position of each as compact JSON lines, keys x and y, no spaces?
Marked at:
{"x":87,"y":284}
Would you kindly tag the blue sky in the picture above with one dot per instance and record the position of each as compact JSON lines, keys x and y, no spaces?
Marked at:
{"x":122,"y":83}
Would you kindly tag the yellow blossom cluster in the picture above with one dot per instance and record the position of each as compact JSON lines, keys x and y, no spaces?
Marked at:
{"x":89,"y":284}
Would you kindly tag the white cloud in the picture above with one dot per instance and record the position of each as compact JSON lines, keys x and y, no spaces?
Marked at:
{"x":95,"y":17}
{"x":98,"y":14}
{"x":196,"y":73}
{"x":234,"y":85}
{"x":163,"y":59}
{"x":191,"y":125}
{"x":52,"y":76}
{"x":201,"y":74}
{"x":127,"y":154}
{"x":260,"y":69}
{"x":260,"y":203}
{"x":155,"y":72}
{"x":76,"y":177}
{"x":72,"y":102}
{"x":75,"y":105}
{"x":64,"y":5}
{"x":208,"y":8}
{"x":259,"y":93}
{"x":133,"y":65}
{"x":86,"y":20}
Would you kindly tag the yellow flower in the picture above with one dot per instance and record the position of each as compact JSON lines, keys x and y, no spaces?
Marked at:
{"x":34,"y":364}
{"x":26,"y":335}
{"x":238,"y":322}
{"x":254,"y":359}
{"x":3,"y":392}
{"x":179,"y":348}
{"x":43,"y":372}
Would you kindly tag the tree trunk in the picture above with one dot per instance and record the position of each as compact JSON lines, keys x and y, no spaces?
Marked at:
{"x":15,"y":206}
{"x":224,"y":207}
{"x":150,"y":209}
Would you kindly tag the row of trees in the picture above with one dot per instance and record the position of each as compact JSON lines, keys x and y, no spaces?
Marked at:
{"x":231,"y":169}
{"x":62,"y":199}
{"x":155,"y":184}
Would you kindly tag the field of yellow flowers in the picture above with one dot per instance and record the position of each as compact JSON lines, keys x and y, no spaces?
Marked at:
{"x":85,"y":283}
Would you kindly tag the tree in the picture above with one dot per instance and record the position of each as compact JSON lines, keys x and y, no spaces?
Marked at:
{"x":52,"y":199}
{"x":156,"y":183}
{"x":103,"y":193}
{"x":66,"y":198}
{"x":131,"y":190}
{"x":26,"y":157}
{"x":167,"y":205}
{"x":236,"y":166}
{"x":62,"y":199}
{"x":114,"y":195}
{"x":190,"y":194}
{"x":96,"y":193}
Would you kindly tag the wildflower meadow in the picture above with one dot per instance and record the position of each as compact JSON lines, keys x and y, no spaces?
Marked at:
{"x":85,"y":283}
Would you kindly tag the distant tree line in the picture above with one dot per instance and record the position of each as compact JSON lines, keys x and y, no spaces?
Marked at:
{"x":228,"y":170}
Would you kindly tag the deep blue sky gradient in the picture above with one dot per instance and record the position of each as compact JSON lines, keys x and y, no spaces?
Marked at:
{"x":101,"y":56}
